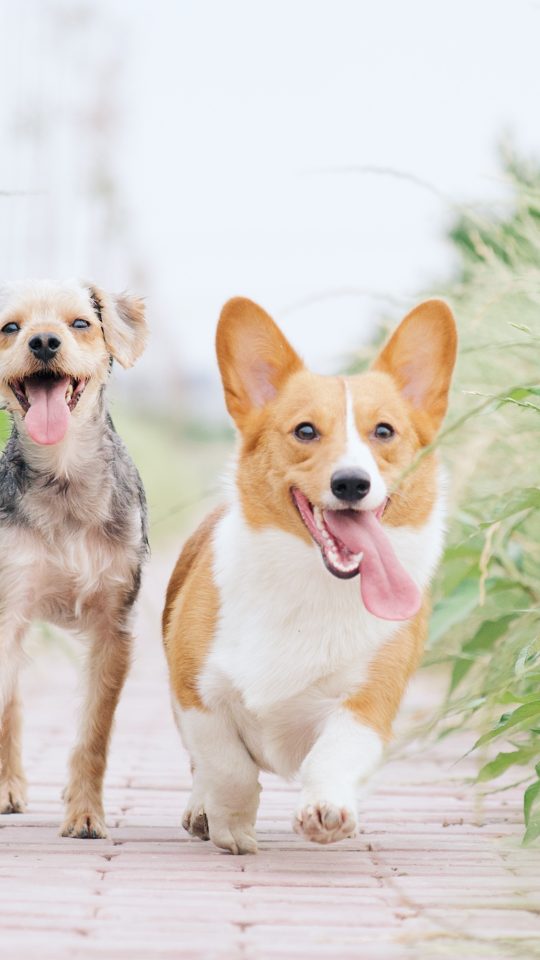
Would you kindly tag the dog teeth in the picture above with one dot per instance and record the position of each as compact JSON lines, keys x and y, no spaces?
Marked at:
{"x":350,"y":564}
{"x":69,"y":392}
{"x":319,"y":521}
{"x":344,"y":566}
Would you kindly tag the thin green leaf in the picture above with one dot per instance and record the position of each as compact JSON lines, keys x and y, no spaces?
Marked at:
{"x":503,"y":761}
{"x":532,"y":832}
{"x":529,"y":798}
{"x":454,"y":609}
{"x":521,"y":500}
{"x":523,"y":713}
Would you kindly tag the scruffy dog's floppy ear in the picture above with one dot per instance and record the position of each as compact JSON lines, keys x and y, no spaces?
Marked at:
{"x":124,"y":325}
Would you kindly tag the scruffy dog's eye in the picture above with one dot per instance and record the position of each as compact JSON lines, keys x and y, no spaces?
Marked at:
{"x":306,"y":432}
{"x":10,"y":327}
{"x":80,"y":324}
{"x":383,"y":431}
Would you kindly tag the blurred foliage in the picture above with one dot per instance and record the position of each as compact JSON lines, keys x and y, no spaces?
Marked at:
{"x":180,"y":464}
{"x":486,"y":618}
{"x":485,"y":626}
{"x":4,"y":427}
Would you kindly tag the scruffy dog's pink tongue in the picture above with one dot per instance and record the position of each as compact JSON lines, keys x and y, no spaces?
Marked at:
{"x":387,"y":589}
{"x":48,"y":417}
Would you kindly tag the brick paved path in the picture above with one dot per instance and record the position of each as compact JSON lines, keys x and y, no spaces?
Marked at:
{"x":436,"y":871}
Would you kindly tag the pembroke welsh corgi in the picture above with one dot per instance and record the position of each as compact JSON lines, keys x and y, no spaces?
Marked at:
{"x":298,"y":611}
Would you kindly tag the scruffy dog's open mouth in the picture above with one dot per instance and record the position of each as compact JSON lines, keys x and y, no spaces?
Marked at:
{"x":47,"y":401}
{"x":355,"y":542}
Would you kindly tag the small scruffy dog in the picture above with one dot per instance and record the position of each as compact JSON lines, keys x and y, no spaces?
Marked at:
{"x":72,"y":514}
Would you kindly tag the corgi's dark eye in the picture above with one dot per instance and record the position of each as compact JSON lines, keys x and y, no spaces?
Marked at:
{"x":10,"y":327}
{"x":80,"y":324}
{"x":306,"y":432}
{"x":383,"y":431}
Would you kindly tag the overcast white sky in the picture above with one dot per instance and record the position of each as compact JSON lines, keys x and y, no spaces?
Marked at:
{"x":225,"y":126}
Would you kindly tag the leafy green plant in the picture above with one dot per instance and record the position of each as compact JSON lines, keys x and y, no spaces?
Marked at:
{"x":486,"y":618}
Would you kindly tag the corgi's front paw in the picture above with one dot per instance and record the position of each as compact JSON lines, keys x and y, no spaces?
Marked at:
{"x":235,"y":833}
{"x":324,"y":822}
{"x":195,"y":822}
{"x":236,"y":837}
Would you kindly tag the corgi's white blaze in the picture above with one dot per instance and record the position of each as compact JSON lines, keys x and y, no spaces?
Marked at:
{"x":358,"y":454}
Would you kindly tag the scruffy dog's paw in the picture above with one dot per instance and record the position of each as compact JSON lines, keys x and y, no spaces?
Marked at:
{"x":325,"y":822}
{"x":84,"y":826}
{"x":195,"y":822}
{"x":13,"y":795}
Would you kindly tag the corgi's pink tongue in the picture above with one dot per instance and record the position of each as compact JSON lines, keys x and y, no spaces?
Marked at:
{"x":47,"y":419}
{"x":387,"y":589}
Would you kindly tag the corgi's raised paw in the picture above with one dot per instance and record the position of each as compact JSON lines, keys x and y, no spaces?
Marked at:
{"x":324,"y":822}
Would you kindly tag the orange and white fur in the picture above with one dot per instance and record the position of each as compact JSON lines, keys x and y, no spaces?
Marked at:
{"x":298,"y":611}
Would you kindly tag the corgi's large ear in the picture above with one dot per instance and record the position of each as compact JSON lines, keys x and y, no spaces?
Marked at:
{"x":254,"y":357}
{"x":420,"y":356}
{"x":122,"y":318}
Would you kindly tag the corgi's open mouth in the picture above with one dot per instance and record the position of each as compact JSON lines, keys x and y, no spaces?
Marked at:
{"x":355,"y":542}
{"x":47,"y":401}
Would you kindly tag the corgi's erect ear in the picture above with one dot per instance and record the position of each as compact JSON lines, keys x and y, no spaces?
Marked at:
{"x":420,"y":356}
{"x":124,"y":325}
{"x":255,"y":358}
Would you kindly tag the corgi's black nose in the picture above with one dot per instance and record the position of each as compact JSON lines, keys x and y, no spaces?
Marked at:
{"x":44,"y":346}
{"x":350,"y":485}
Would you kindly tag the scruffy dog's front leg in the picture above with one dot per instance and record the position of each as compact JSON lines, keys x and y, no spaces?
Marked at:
{"x":108,"y":662}
{"x":12,"y":779}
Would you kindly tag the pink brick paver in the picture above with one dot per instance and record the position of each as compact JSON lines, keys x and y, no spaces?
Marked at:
{"x":437,"y":870}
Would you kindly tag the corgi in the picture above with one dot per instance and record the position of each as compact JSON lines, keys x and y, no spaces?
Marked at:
{"x":297,"y":612}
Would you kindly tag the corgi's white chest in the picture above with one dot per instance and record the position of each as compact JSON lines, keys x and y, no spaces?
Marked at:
{"x":291,"y":638}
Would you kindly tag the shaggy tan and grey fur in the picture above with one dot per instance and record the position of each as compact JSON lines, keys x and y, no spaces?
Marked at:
{"x":72,"y":529}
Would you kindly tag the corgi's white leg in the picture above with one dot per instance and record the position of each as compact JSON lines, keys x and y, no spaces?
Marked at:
{"x":345,"y":753}
{"x":225,"y":797}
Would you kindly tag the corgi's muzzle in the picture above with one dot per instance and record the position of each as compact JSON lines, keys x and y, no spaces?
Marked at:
{"x":353,"y":541}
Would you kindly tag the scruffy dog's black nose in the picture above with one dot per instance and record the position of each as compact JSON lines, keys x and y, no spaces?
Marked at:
{"x":350,"y":485}
{"x":44,"y":346}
